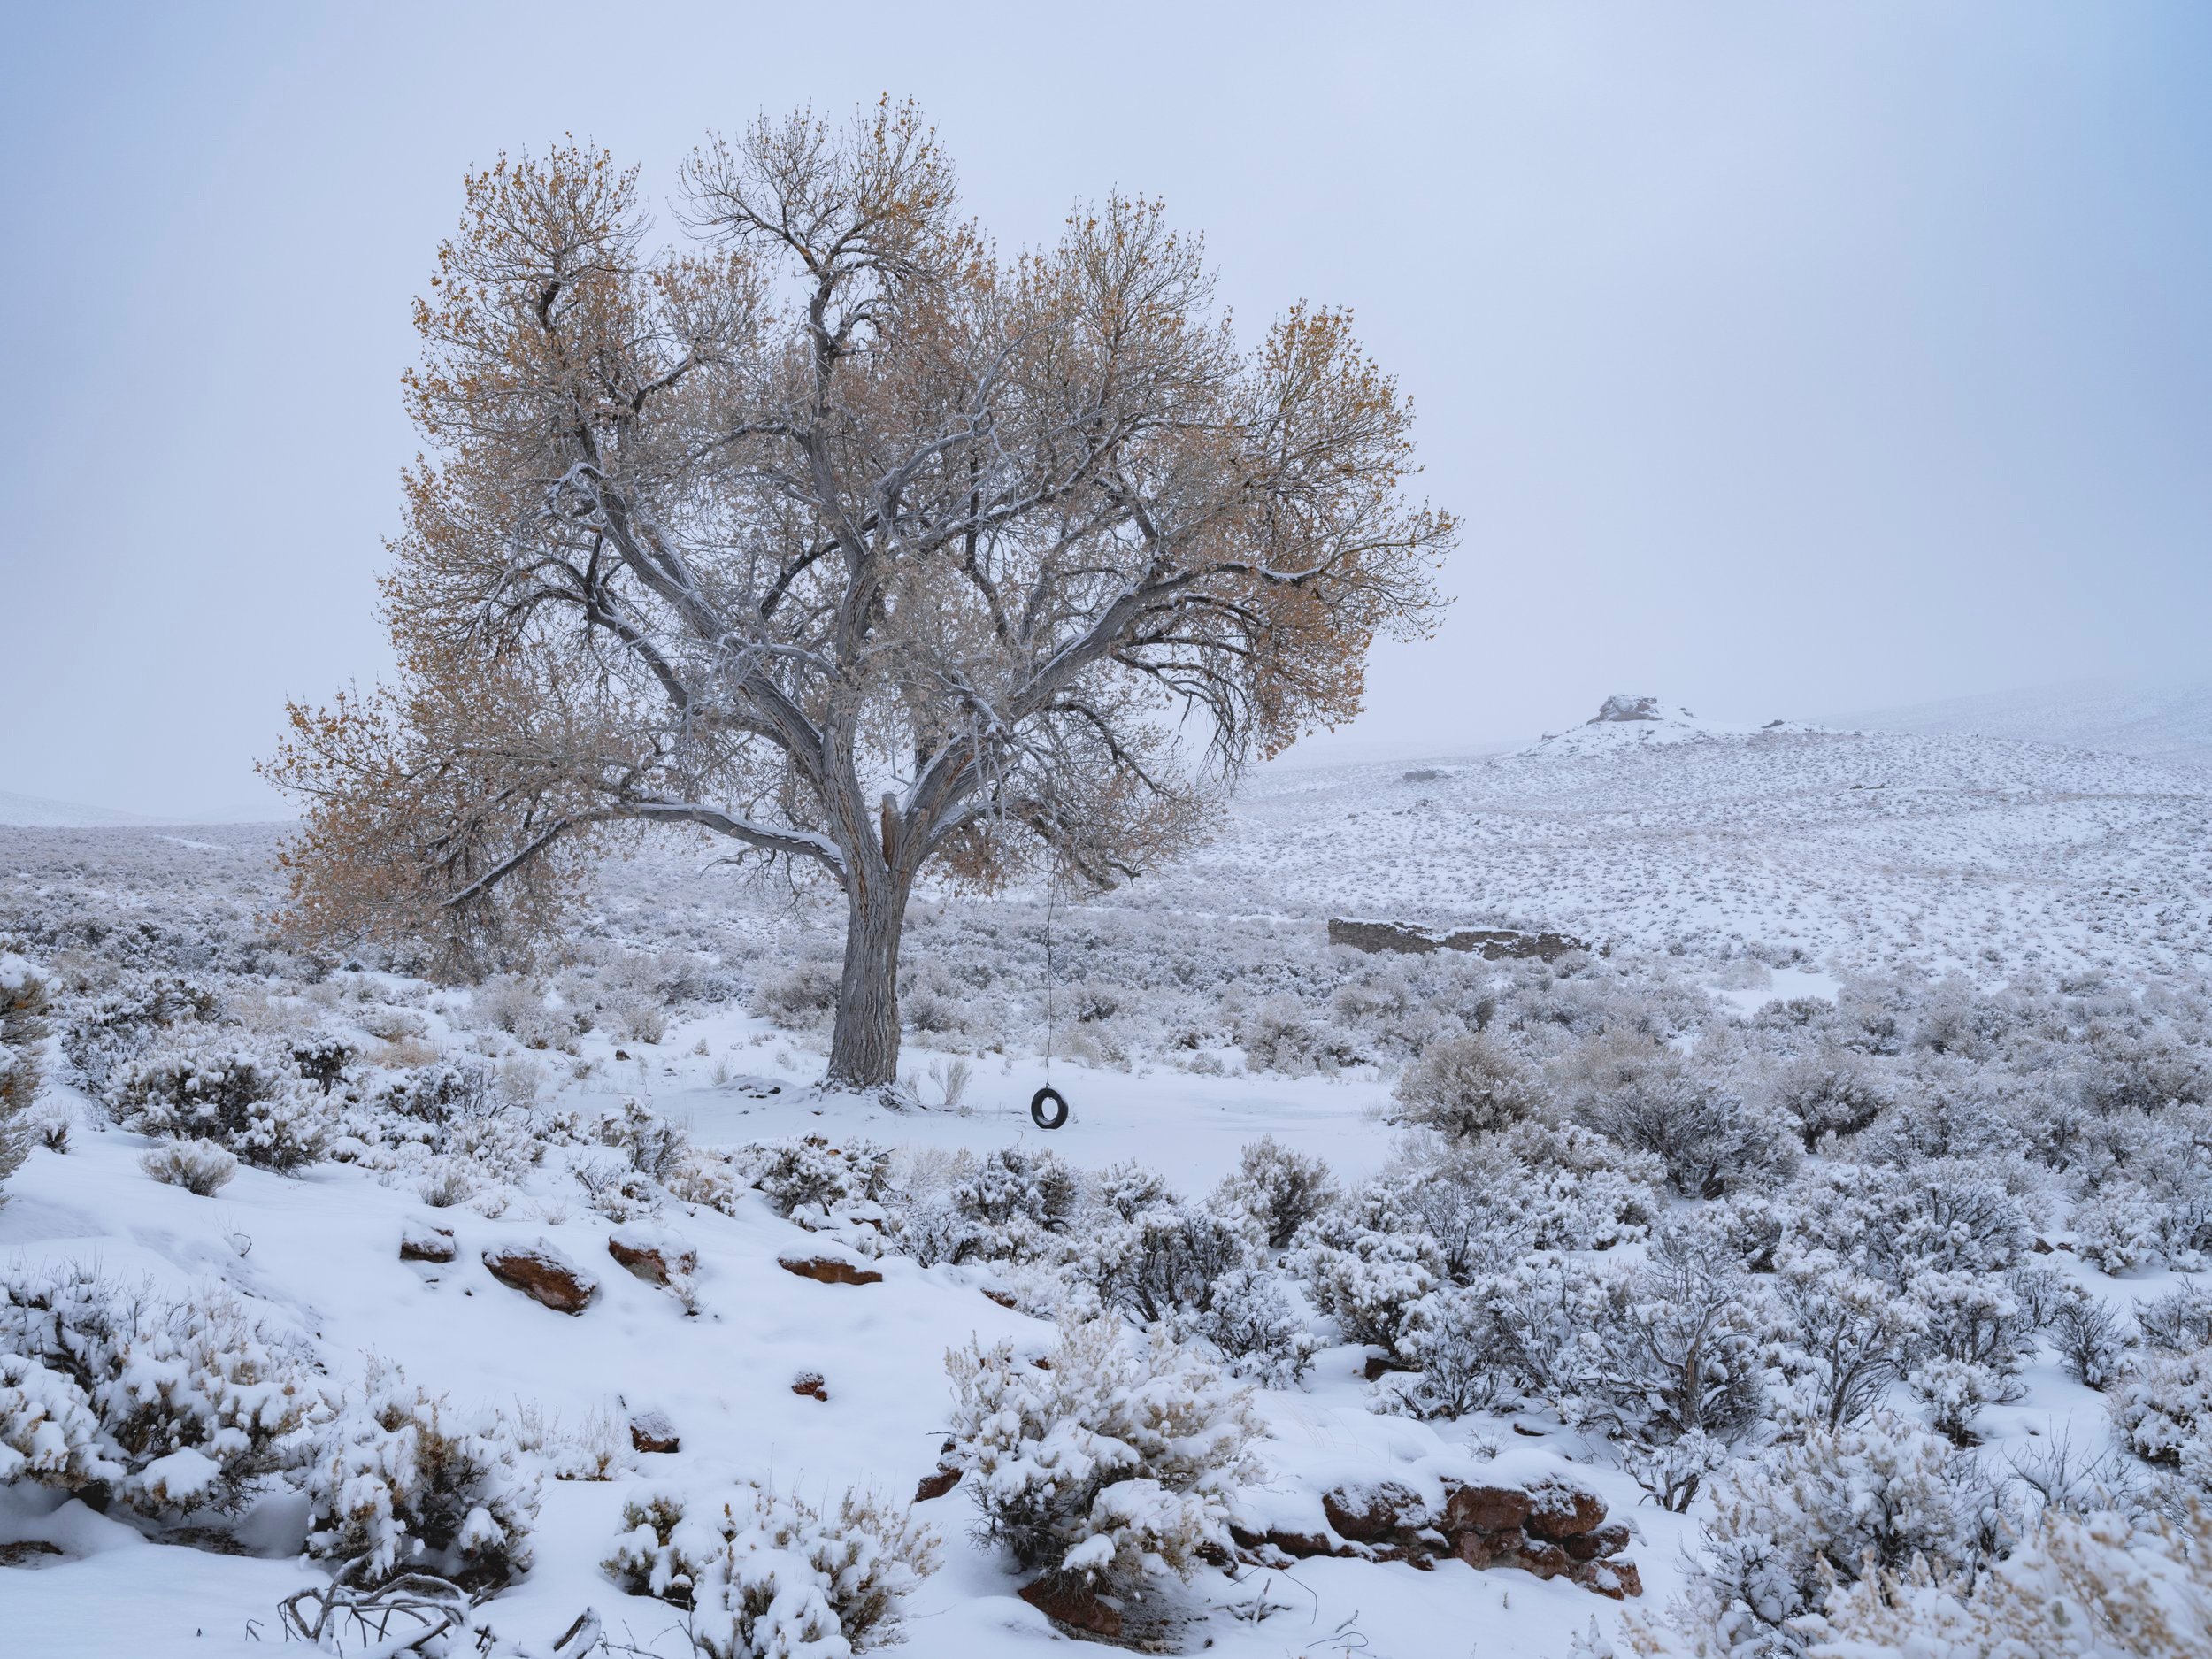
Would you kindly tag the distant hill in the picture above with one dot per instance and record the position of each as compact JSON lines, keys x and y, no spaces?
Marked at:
{"x":31,"y":811}
{"x":1653,"y":827}
{"x":37,"y":812}
{"x":2171,"y":722}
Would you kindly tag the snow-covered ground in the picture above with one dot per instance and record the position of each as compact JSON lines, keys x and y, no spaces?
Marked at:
{"x":1775,"y":902}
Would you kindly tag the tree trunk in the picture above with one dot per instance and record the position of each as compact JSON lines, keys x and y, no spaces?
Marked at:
{"x":865,"y":1050}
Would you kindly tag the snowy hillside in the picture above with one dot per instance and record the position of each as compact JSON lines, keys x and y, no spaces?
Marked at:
{"x":36,"y":811}
{"x":1858,"y":1199}
{"x":1850,"y":849}
{"x":2171,"y":723}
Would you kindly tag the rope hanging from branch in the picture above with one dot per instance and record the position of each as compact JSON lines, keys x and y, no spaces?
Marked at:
{"x":1047,"y":1107}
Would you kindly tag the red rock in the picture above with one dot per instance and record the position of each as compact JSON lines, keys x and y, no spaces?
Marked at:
{"x":419,"y":1243}
{"x":1476,"y":1550}
{"x":543,"y":1274}
{"x":1618,"y":1579}
{"x":1001,"y":1298}
{"x":1066,"y":1598}
{"x":1609,"y":1540}
{"x":936,"y":1485}
{"x":1562,"y":1511}
{"x":652,"y":1431}
{"x":809,"y":1382}
{"x":827,"y":1270}
{"x":1366,"y":1514}
{"x":1534,"y":1554}
{"x":1486,"y":1510}
{"x":653,"y":1253}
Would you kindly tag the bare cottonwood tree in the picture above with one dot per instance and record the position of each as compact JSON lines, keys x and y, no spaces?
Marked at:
{"x":836,"y":533}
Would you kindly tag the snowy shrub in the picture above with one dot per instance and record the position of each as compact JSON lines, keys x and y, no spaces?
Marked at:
{"x":445,"y":1183}
{"x":1576,"y":1189}
{"x":2093,"y":1341}
{"x":401,"y":1482}
{"x":248,"y":1101}
{"x":23,"y":1004}
{"x":2116,"y":1230}
{"x":597,"y":1448}
{"x":1546,"y":1316}
{"x":1950,"y":1111}
{"x":1889,"y":1222}
{"x":321,"y":1058}
{"x":1114,"y":1466}
{"x":806,"y":1178}
{"x":1450,"y":1338}
{"x":1712,"y":1139}
{"x":1127,"y":1189}
{"x":801,"y":996}
{"x":2163,"y":1415}
{"x":1016,"y":1200}
{"x":1370,"y":1280}
{"x":1253,"y":1326}
{"x":1467,"y":1085}
{"x":1281,"y":1190}
{"x":1847,"y":1337}
{"x":1475,"y":1224}
{"x":196,"y":1400}
{"x":1280,"y":1035}
{"x":657,"y":1148}
{"x":1975,"y":1342}
{"x":1871,"y":1496}
{"x":49,"y":1435}
{"x":199,"y":1167}
{"x":1829,"y":1091}
{"x":1680,"y":1338}
{"x":635,"y":1018}
{"x":125,"y":1022}
{"x":932,"y":1227}
{"x":2179,"y":1322}
{"x":509,"y":1003}
{"x":439,"y":1093}
{"x":764,"y":1575}
{"x":1163,"y":1263}
{"x":2098,"y":1587}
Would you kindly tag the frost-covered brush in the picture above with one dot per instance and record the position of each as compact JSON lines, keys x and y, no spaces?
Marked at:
{"x":838,"y":537}
{"x":395,"y":1619}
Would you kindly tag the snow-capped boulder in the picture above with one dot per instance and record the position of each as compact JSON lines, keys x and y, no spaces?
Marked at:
{"x":420,"y":1241}
{"x":653,"y":1253}
{"x":540,"y":1272}
{"x":1620,"y":707}
{"x":826,"y":1265}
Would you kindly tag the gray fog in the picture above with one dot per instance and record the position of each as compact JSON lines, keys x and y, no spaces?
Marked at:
{"x":1780,"y":359}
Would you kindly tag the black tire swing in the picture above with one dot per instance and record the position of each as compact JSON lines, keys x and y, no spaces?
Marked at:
{"x":1047,"y":1107}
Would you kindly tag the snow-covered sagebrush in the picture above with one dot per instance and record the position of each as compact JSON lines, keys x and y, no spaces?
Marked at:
{"x":402,"y":1480}
{"x":1115,"y":1462}
{"x":763,"y":1574}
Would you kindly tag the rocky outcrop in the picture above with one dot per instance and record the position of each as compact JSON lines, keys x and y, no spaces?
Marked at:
{"x":826,"y":1269}
{"x":1066,"y":1598}
{"x":1550,"y":1528}
{"x":1493,"y":944}
{"x":653,"y":1254}
{"x":652,"y":1431}
{"x":1621,"y":707}
{"x":543,"y":1274}
{"x":938,"y":1482}
{"x":421,"y":1242}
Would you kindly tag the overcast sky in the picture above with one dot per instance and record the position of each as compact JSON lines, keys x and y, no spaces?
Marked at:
{"x":1779,"y":358}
